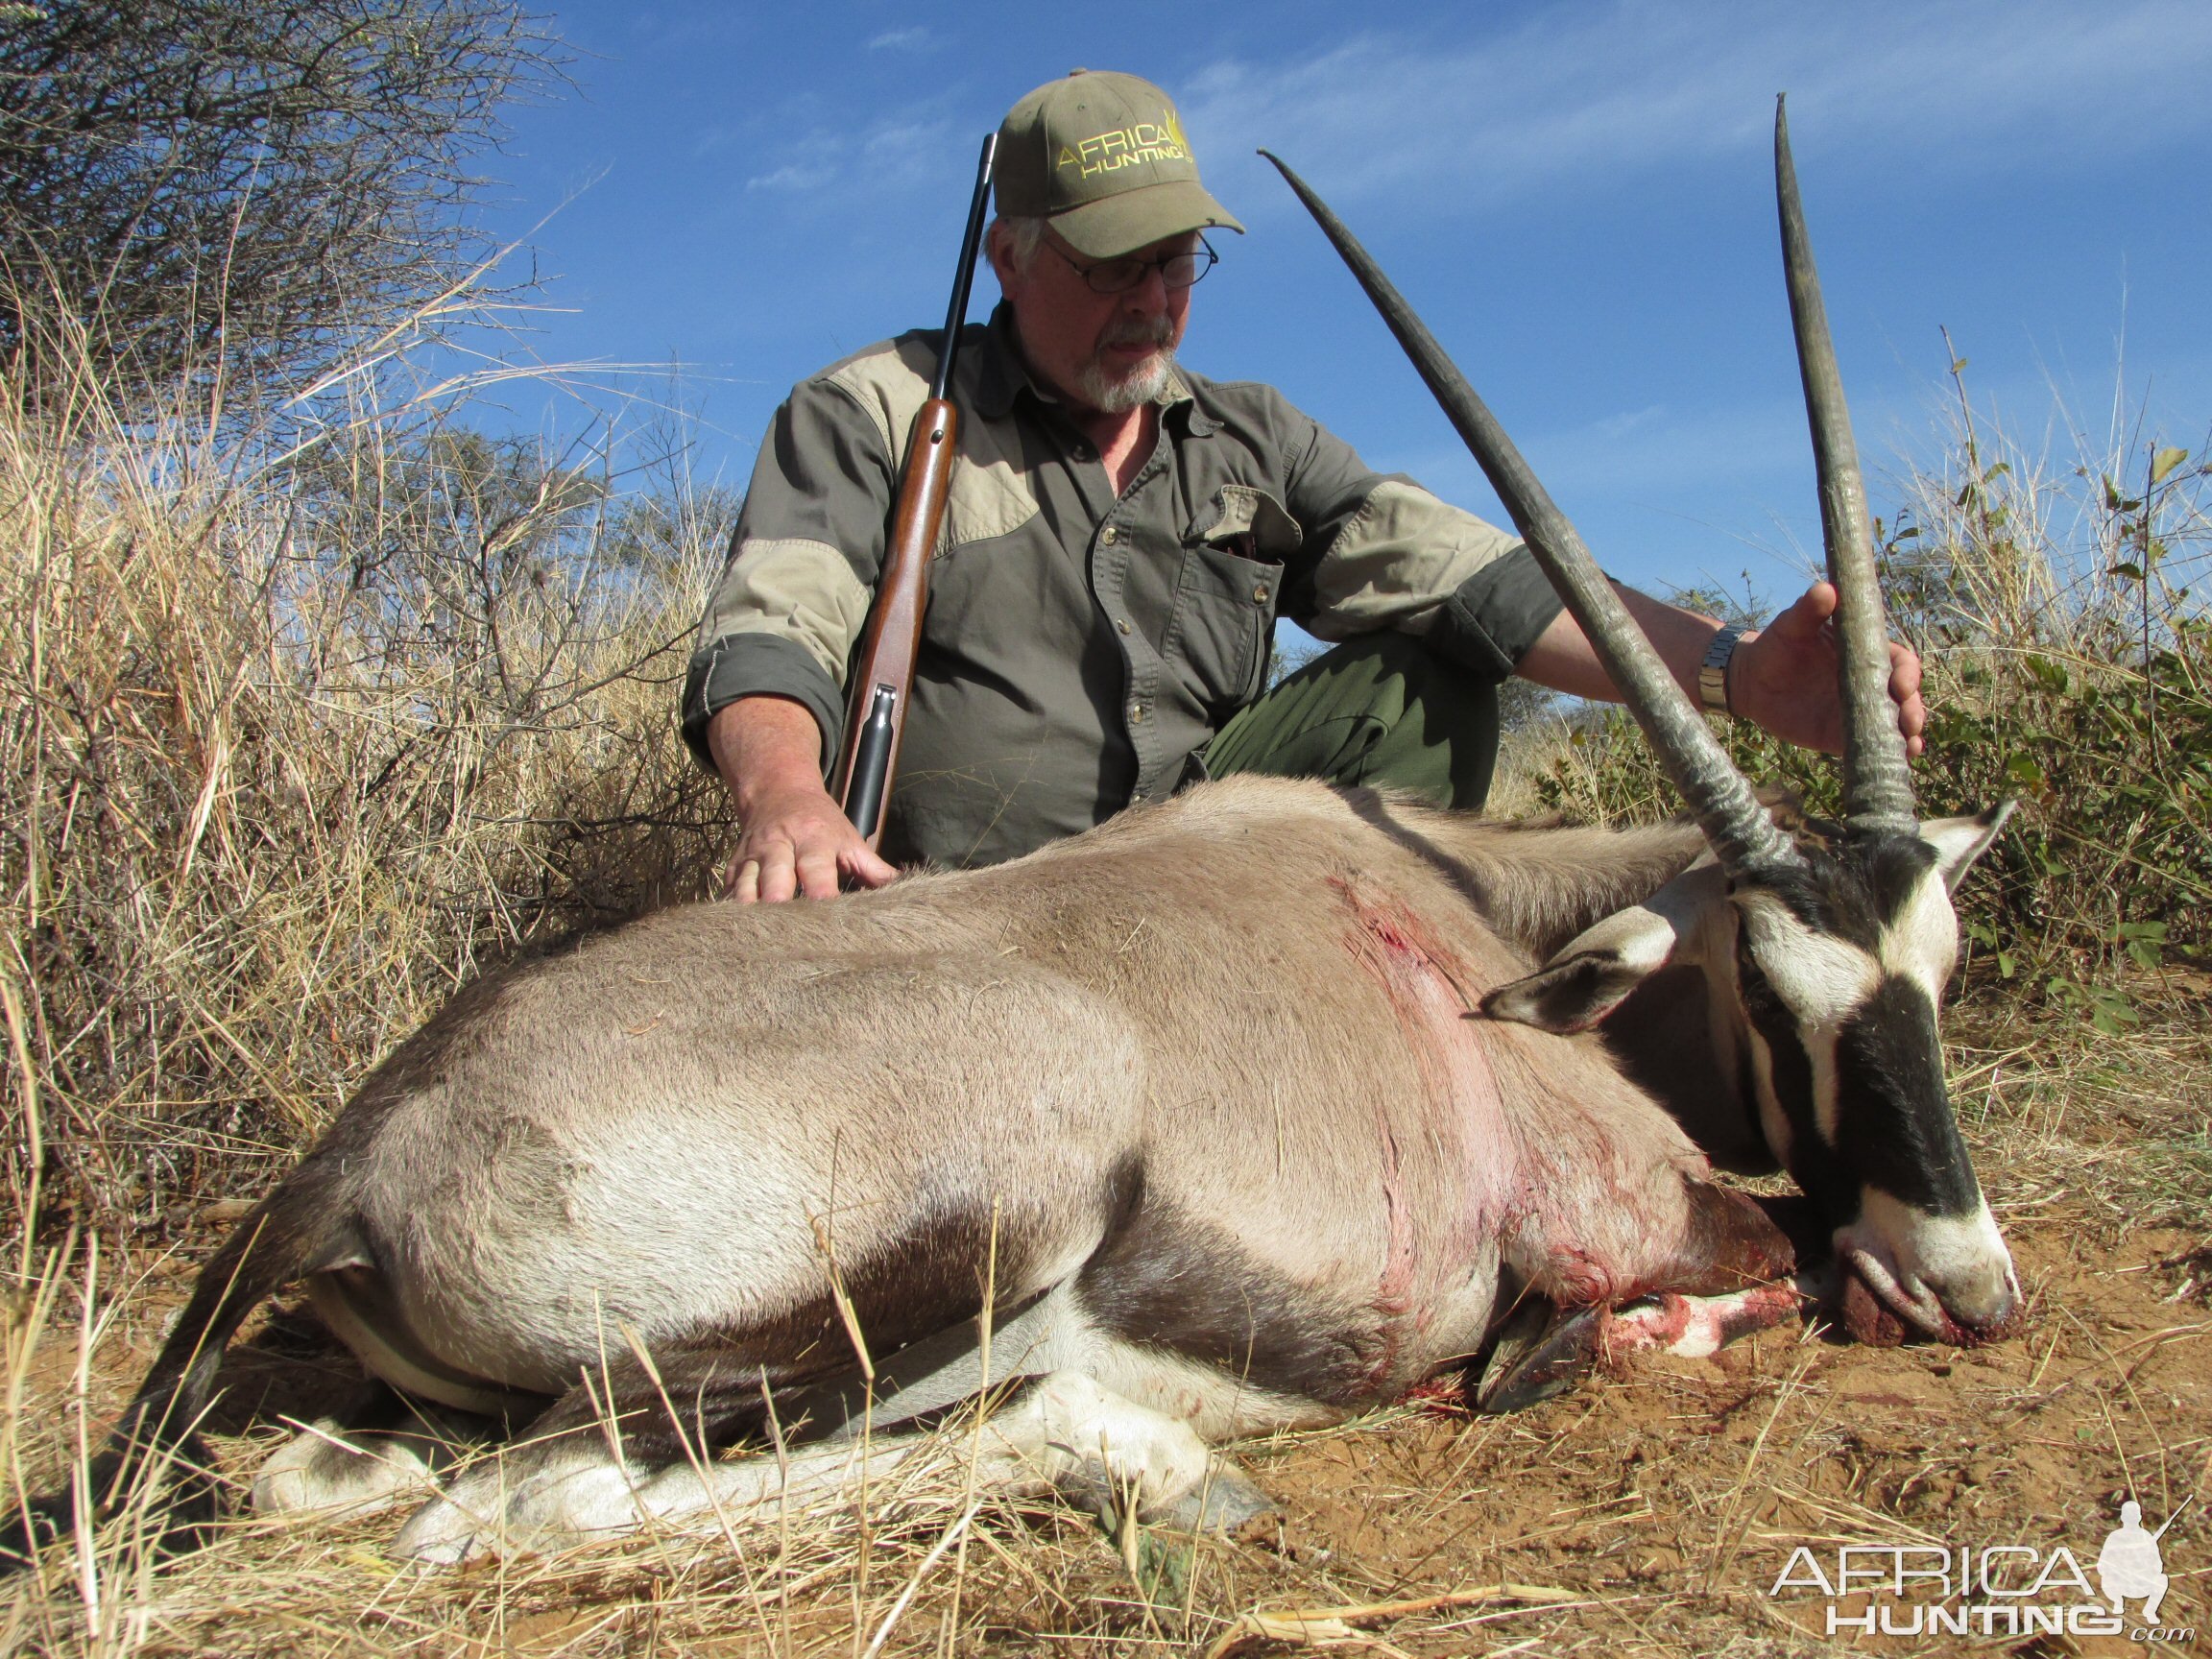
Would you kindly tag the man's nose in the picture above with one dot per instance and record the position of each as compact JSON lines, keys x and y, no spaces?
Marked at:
{"x":1149,"y":298}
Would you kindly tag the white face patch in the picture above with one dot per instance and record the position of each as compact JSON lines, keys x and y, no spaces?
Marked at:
{"x":1955,"y":1264}
{"x":1921,"y":945}
{"x":1820,"y":978}
{"x":1823,"y":982}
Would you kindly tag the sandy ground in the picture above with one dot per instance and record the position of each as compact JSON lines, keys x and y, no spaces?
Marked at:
{"x":1649,"y":1510}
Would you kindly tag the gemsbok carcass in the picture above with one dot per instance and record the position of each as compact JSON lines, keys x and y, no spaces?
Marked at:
{"x":1248,"y":1109}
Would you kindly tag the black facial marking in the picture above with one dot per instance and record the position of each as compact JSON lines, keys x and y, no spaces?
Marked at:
{"x":1853,"y":890}
{"x":1827,"y":1179}
{"x":1166,"y":1278}
{"x":1896,"y":1126}
{"x":1893,"y":867}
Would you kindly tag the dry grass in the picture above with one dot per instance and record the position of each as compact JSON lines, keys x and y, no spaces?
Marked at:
{"x":2057,"y":594}
{"x":304,"y":722}
{"x":1645,"y":1512}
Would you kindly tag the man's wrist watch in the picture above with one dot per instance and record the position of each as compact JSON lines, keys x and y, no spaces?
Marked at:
{"x":1713,"y":672}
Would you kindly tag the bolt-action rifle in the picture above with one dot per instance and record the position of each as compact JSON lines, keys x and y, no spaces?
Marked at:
{"x":876,"y":691}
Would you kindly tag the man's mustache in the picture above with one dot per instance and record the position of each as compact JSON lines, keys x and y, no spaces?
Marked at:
{"x":1158,"y":332}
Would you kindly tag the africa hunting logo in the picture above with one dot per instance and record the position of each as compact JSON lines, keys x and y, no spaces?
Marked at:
{"x":1130,"y":146}
{"x":2007,"y":1590}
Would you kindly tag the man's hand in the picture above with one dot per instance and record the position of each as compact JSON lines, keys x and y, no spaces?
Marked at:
{"x":796,"y":841}
{"x":798,"y":845}
{"x":1784,"y":678}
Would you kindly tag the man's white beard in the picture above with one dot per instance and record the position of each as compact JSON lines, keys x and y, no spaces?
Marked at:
{"x":1111,"y":396}
{"x":1119,"y":396}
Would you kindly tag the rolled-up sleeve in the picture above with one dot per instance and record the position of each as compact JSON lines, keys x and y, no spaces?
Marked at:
{"x":1391,"y":555}
{"x":1491,"y":618}
{"x":804,"y":562}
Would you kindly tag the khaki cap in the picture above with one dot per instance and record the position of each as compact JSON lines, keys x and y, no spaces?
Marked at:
{"x":1103,"y":157}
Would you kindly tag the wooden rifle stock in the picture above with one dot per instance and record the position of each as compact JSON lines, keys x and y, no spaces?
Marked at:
{"x":875,"y":702}
{"x":877,"y":690}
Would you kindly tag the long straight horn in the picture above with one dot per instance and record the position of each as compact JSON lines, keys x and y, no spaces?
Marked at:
{"x":1741,"y":835}
{"x":1877,"y":780}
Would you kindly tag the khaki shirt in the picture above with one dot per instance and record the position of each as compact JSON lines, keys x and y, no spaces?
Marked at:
{"x":1079,"y":648}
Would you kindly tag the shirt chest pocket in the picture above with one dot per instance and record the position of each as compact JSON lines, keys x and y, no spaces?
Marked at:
{"x":1224,"y":617}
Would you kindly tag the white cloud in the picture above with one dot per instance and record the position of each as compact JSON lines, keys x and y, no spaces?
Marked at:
{"x":793,"y":177}
{"x":912,"y":39}
{"x":896,"y":153}
{"x":1637,"y":84}
{"x":902,"y":150}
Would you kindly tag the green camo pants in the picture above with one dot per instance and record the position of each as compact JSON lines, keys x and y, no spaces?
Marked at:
{"x":1378,"y":710}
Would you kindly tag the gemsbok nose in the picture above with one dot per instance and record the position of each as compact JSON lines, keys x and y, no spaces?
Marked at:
{"x":1843,"y":938}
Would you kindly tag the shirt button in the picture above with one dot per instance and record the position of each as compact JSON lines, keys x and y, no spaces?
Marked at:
{"x":1122,"y":623}
{"x":1082,"y":452}
{"x":1135,"y":714}
{"x":1260,"y":595}
{"x":1110,"y":534}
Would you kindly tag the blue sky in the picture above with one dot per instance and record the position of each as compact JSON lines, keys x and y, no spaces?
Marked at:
{"x":1576,"y":196}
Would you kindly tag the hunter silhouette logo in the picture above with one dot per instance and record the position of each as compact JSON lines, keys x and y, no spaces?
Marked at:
{"x":2129,"y":1564}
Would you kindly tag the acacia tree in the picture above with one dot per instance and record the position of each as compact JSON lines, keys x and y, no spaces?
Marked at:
{"x":244,"y":182}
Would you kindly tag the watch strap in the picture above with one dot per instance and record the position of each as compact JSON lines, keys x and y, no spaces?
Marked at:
{"x":1713,"y":672}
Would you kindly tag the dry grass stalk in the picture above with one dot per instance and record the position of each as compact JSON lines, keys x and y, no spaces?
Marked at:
{"x":300,"y":734}
{"x":1312,"y":1626}
{"x":2058,"y":603}
{"x":305,"y":726}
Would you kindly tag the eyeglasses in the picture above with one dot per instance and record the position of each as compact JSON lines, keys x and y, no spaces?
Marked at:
{"x":1120,"y":275}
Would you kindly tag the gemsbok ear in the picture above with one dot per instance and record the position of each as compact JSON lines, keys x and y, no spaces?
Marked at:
{"x":1568,"y":995}
{"x":1593,"y":972}
{"x":1960,"y":841}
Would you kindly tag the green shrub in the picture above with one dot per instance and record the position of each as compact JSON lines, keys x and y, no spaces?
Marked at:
{"x":2069,"y":665}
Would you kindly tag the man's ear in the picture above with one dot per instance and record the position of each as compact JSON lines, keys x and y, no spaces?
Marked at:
{"x":999,"y":250}
{"x":1593,"y":973}
{"x":1960,"y":841}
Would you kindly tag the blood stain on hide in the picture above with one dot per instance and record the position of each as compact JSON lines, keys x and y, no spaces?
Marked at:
{"x":1421,"y":978}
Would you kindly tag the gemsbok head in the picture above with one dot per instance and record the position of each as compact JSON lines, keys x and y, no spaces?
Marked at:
{"x":1827,"y":961}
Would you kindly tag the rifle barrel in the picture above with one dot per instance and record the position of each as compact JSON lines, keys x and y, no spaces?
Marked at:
{"x":957,"y":313}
